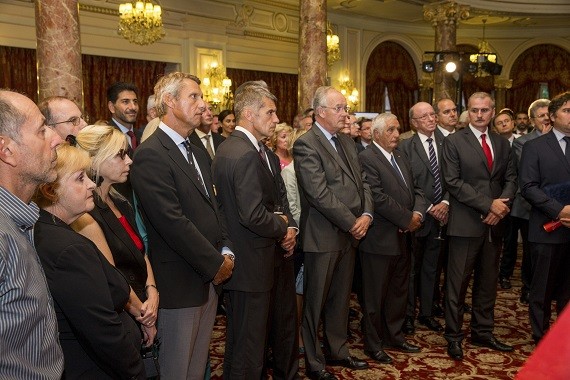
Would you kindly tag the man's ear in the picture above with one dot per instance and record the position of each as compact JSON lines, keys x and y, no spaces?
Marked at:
{"x":7,"y":146}
{"x":168,"y":100}
{"x":111,"y":107}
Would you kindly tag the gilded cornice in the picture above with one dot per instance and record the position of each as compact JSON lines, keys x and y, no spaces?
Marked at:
{"x":279,"y":4}
{"x":271,"y":37}
{"x":448,"y":12}
{"x":100,"y":10}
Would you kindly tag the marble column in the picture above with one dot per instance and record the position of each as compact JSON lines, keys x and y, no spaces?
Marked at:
{"x":444,"y":17}
{"x":58,"y":50}
{"x":312,"y":50}
{"x":426,"y":86}
{"x":501,"y":87}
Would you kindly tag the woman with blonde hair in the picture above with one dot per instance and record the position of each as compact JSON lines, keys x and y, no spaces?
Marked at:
{"x":111,"y":223}
{"x":280,"y":144}
{"x":98,"y":338}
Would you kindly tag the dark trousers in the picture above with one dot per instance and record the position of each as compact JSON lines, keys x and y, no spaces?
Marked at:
{"x":550,"y":281}
{"x":426,"y":252}
{"x":247,"y":316}
{"x":481,"y":257}
{"x":327,"y":284}
{"x":510,"y":245}
{"x":385,"y":279}
{"x":282,"y":337}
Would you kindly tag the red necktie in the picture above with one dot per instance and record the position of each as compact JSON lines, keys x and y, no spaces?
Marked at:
{"x":131,"y":134}
{"x":487,"y":151}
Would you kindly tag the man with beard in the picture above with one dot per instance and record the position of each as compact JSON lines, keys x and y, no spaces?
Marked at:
{"x":29,"y":344}
{"x":203,"y":137}
{"x":522,"y":123}
{"x":123,"y":103}
{"x":520,"y":213}
{"x":481,"y":180}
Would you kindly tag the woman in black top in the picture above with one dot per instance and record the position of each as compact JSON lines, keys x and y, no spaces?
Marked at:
{"x":98,"y":338}
{"x":111,"y":224}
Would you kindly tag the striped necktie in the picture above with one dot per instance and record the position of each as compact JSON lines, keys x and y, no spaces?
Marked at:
{"x":437,"y":191}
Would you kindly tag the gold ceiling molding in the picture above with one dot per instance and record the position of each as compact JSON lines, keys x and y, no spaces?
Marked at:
{"x":268,"y":36}
{"x":100,"y":10}
{"x":279,"y":4}
{"x":447,"y":12}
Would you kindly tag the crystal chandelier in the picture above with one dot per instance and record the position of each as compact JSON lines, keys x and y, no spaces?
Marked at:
{"x":349,"y":91}
{"x":333,"y":48}
{"x":485,"y":60}
{"x":217,"y":88}
{"x":141,"y":22}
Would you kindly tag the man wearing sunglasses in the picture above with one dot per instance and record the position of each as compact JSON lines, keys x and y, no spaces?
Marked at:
{"x":63,"y":115}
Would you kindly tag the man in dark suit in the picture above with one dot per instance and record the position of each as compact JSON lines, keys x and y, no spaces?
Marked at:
{"x":545,"y":184}
{"x":423,"y":151}
{"x":337,"y":211}
{"x":520,"y":211}
{"x":260,"y":222}
{"x":188,"y":244}
{"x":385,"y":251}
{"x":481,"y":179}
{"x":123,"y":103}
{"x":203,"y":137}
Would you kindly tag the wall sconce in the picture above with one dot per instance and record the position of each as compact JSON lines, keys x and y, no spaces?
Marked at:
{"x":333,"y":47}
{"x":217,"y":87}
{"x":350,"y":92}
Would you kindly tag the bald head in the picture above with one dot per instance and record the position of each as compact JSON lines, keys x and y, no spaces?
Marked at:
{"x":63,"y":114}
{"x":422,"y":117}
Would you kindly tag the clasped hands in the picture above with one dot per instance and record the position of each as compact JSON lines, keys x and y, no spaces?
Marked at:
{"x":360,"y":226}
{"x":440,"y":212}
{"x":498,"y":211}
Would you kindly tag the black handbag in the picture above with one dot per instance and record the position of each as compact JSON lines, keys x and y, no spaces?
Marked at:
{"x":150,"y":360}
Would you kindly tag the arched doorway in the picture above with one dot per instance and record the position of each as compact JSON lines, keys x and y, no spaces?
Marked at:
{"x":545,"y":66}
{"x":391,"y":69}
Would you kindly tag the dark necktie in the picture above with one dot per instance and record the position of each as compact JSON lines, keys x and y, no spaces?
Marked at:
{"x":263,"y":155}
{"x":131,"y":135}
{"x":340,"y":151}
{"x":435,"y":171}
{"x":186,"y":144}
{"x":567,"y":152}
{"x":487,"y":151}
{"x":397,"y":169}
{"x":209,"y":146}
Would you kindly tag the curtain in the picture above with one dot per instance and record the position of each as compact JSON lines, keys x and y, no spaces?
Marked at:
{"x":391,"y":66}
{"x":283,"y":86}
{"x":19,"y":73}
{"x":539,"y":64}
{"x":101,"y":72}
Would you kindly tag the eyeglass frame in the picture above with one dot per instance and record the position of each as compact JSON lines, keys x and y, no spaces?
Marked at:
{"x":337,"y":109}
{"x":75,"y":121}
{"x":424,"y":117}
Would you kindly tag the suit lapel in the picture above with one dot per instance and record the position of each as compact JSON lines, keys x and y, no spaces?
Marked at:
{"x":325,"y":143}
{"x":472,"y":140}
{"x":389,"y":166}
{"x":178,"y":158}
{"x":420,"y":151}
{"x":552,"y":141}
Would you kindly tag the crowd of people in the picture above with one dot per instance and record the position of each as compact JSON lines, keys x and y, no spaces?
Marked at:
{"x":270,"y":223}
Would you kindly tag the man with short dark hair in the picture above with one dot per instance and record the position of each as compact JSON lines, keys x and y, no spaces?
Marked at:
{"x":63,"y":115}
{"x":481,"y":180}
{"x":545,"y":184}
{"x":203,"y":137}
{"x":522,"y":123}
{"x":446,"y":113}
{"x":29,"y":342}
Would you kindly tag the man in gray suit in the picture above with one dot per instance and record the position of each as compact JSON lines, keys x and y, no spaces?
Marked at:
{"x":337,"y":212}
{"x":481,"y":179}
{"x":520,"y":213}
{"x":423,"y":151}
{"x":399,"y":207}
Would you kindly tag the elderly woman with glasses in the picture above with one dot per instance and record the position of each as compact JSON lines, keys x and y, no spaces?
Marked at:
{"x":98,"y":338}
{"x":111,"y":223}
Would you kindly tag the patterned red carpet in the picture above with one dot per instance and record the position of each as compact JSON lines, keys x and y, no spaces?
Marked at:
{"x":511,"y":327}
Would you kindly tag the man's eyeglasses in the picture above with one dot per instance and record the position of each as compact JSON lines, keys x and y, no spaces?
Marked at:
{"x":541,"y":116}
{"x":75,"y":120}
{"x":424,"y":117}
{"x":338,"y":109}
